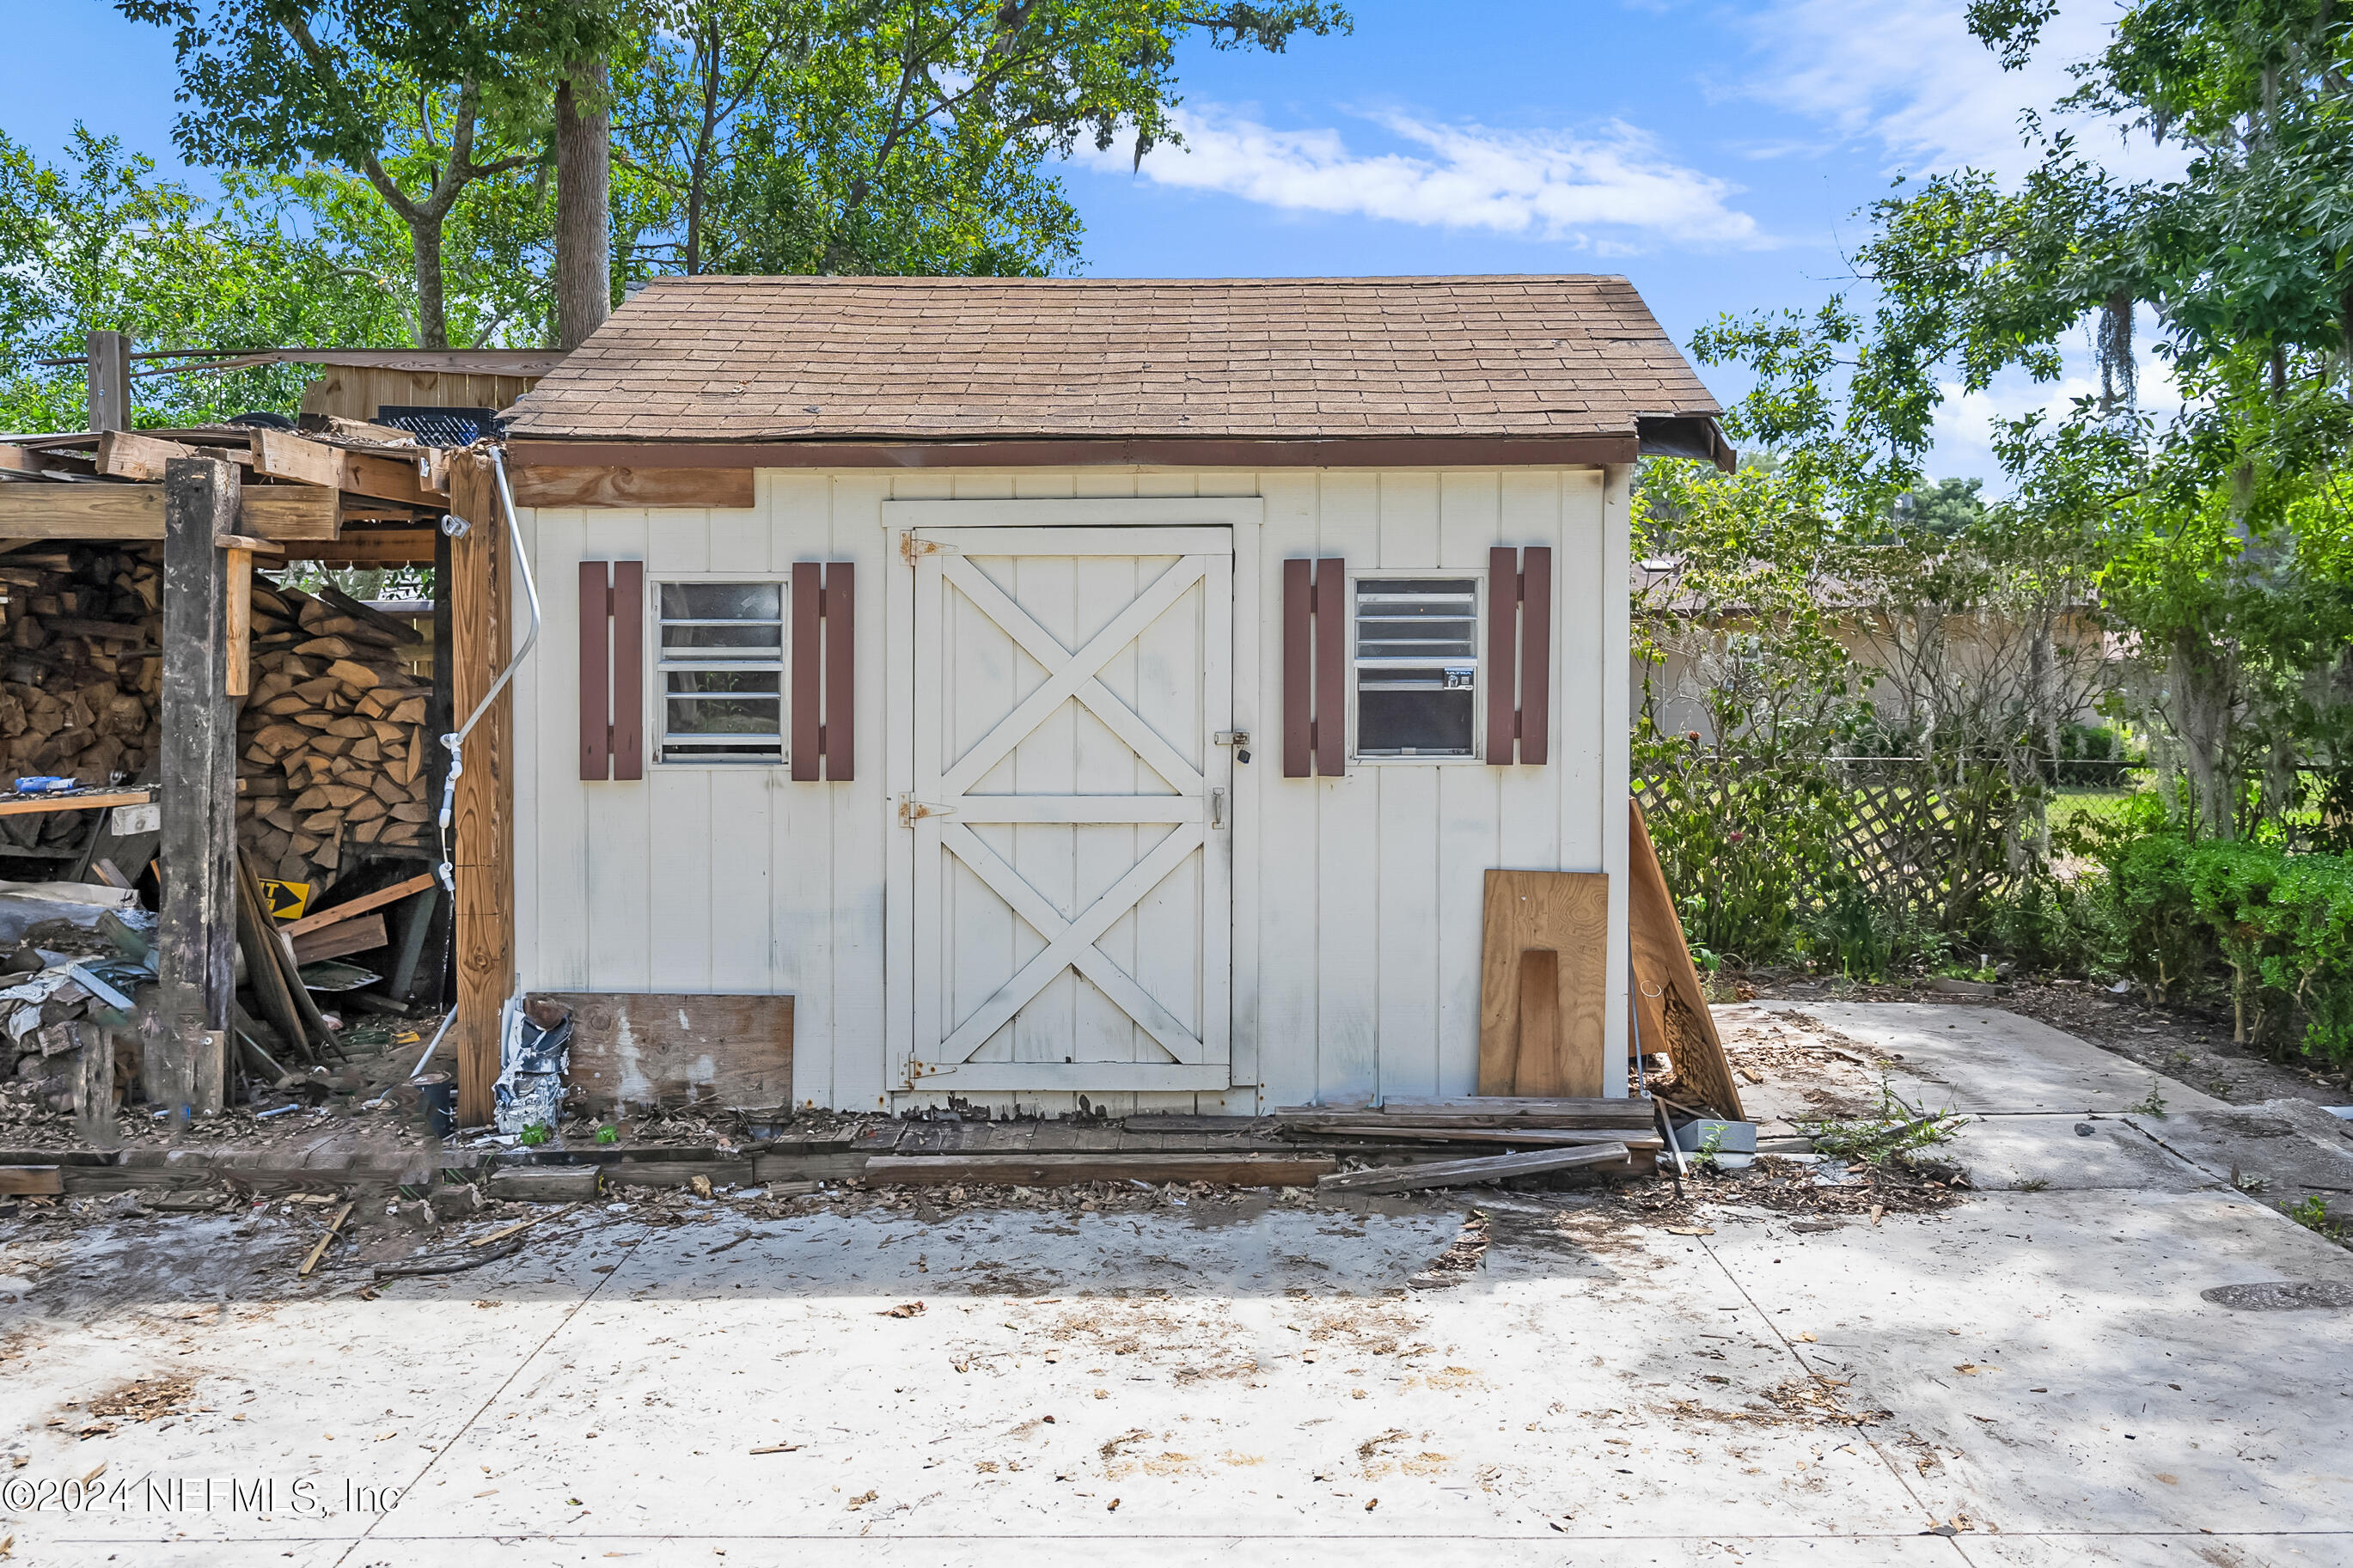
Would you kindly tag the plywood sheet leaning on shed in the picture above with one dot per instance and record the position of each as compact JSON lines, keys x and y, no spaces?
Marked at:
{"x":1669,"y":1007}
{"x":1524,"y":1046}
{"x":635,"y":1050}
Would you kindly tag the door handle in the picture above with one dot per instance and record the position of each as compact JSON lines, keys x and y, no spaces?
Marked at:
{"x":1216,"y":806}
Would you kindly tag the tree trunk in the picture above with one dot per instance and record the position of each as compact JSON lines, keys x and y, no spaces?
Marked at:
{"x":584,"y":200}
{"x":432,"y":309}
{"x":2203,"y":696}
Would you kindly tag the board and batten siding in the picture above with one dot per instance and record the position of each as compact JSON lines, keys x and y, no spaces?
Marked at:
{"x":1356,"y":900}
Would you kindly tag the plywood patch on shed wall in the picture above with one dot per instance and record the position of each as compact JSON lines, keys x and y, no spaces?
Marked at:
{"x":636,"y":1051}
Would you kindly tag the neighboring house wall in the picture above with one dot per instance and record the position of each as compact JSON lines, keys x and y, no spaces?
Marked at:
{"x":1357,"y":902}
{"x":1976,"y":650}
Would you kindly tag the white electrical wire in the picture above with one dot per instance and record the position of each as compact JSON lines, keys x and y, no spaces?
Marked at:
{"x":446,"y":871}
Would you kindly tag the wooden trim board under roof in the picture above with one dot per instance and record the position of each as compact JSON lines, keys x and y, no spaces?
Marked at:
{"x":1206,"y":452}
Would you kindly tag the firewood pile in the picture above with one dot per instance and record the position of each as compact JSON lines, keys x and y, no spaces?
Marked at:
{"x":79,"y":687}
{"x":334,"y":737}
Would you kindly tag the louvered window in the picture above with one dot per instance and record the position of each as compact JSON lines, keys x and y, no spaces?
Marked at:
{"x":1416,"y":666}
{"x":722,"y":672}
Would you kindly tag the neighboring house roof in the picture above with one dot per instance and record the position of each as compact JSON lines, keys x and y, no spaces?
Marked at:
{"x":1192,"y":363}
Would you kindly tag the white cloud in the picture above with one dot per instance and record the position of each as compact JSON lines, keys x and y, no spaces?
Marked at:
{"x":1908,"y":75}
{"x":1610,"y":193}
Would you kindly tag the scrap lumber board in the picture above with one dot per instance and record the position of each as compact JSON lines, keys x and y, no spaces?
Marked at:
{"x":1669,"y":1007}
{"x":1065,"y":1170}
{"x":87,"y":800}
{"x":360,"y":905}
{"x":1562,"y":1051}
{"x":335,"y":940}
{"x":1470,"y":1172}
{"x":544,"y":1183}
{"x":645,"y":1048}
{"x":31,"y":1180}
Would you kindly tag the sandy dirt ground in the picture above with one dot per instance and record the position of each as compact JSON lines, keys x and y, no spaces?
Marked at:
{"x":2083,"y":1342}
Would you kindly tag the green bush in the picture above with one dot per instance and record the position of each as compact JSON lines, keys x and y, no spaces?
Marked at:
{"x":2281,"y":925}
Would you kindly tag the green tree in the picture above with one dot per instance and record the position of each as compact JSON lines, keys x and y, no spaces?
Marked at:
{"x":895,"y":136}
{"x":422,"y":100}
{"x":99,"y":243}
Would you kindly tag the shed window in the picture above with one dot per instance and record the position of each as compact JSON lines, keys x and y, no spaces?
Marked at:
{"x":722,"y":671}
{"x":1416,"y":666}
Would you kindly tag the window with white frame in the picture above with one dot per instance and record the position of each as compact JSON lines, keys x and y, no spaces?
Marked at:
{"x":721,"y":665}
{"x":1416,"y":666}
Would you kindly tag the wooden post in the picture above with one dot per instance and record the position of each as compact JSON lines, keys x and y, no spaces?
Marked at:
{"x":197,"y":933}
{"x":94,"y":1087}
{"x":241,"y":549}
{"x":482,"y":834}
{"x":110,"y":382}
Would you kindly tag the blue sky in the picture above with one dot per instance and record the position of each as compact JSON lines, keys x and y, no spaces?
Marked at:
{"x":1714,"y":153}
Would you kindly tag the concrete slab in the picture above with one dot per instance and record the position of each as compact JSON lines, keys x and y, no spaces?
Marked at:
{"x":2285,"y":1149}
{"x":1984,"y":1059}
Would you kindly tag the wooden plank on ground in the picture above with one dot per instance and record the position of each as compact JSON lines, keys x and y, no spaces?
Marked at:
{"x":1034,"y":1170}
{"x":358,"y":906}
{"x":639,"y":1049}
{"x":615,"y":487}
{"x":1669,"y":1007}
{"x":31,"y":1180}
{"x":1470,"y":1172}
{"x":1566,"y":913}
{"x":1498,"y":1112}
{"x":1522,"y":1137}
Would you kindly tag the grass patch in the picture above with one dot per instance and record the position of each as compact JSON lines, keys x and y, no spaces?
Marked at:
{"x":1898,"y":1130}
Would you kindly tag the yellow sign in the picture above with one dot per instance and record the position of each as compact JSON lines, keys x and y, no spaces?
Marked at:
{"x":287,"y":901}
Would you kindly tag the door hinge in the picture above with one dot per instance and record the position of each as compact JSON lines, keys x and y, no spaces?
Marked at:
{"x":909,"y":808}
{"x":909,"y":547}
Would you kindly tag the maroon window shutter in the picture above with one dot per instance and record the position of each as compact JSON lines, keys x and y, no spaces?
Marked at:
{"x":1331,"y":668}
{"x":840,"y":686}
{"x":1298,"y":670}
{"x":595,"y":662}
{"x":1535,"y":654}
{"x":629,"y":670}
{"x":1503,"y":617}
{"x":807,"y":612}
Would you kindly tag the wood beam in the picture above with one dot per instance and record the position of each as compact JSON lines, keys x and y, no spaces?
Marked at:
{"x":128,"y":455}
{"x":136,"y":511}
{"x":281,"y":454}
{"x":197,"y":933}
{"x":482,"y":831}
{"x":374,"y":547}
{"x":603,"y":486}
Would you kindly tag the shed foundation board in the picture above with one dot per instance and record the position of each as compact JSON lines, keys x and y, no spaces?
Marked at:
{"x":638,"y":1051}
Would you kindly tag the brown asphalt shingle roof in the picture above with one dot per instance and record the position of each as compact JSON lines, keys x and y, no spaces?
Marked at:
{"x":962,"y":359}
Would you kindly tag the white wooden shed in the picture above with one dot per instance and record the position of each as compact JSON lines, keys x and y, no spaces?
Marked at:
{"x":1094,"y":688}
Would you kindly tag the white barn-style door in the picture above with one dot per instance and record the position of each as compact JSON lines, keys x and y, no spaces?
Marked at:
{"x":1071,"y":893}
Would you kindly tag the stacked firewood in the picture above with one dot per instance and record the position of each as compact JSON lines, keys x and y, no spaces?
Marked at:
{"x":78,"y":677}
{"x":334,"y":736}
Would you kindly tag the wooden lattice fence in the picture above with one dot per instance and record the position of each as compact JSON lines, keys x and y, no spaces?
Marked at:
{"x":1922,"y":839}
